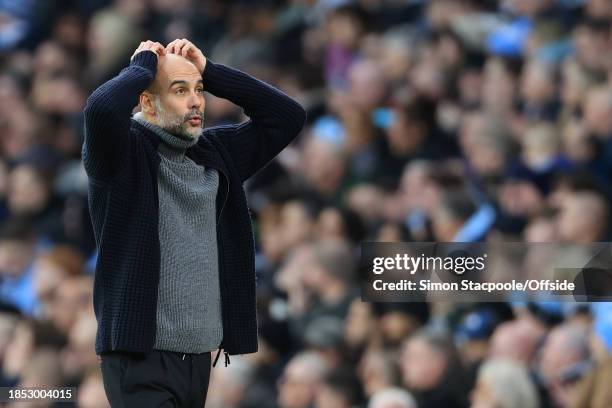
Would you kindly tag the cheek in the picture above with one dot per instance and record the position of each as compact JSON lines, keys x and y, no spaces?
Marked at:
{"x":173,"y":105}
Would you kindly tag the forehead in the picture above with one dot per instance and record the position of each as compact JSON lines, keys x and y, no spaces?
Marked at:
{"x":176,"y":68}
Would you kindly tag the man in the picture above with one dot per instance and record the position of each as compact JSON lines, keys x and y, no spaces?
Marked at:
{"x":301,"y":378}
{"x":175,"y":273}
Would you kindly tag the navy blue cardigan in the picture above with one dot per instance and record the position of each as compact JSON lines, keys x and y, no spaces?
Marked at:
{"x":121,"y":161}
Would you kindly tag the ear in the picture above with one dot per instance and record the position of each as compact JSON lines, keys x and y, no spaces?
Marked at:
{"x":147,"y":106}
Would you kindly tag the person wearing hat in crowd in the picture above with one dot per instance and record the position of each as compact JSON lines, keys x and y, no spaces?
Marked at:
{"x":472,"y":338}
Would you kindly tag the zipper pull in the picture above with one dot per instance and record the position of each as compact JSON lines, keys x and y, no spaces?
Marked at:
{"x":227,"y":359}
{"x":217,"y":358}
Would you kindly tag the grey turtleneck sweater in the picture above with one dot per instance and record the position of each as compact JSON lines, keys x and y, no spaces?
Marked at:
{"x":189,"y":306}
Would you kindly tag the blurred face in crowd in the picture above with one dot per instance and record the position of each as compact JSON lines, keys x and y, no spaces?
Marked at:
{"x":589,"y":43}
{"x":395,"y":58}
{"x":297,"y":225}
{"x":42,"y":369}
{"x":504,"y":383}
{"x":71,"y":297}
{"x":419,"y":192}
{"x":541,"y":229}
{"x":47,"y":277}
{"x":599,"y":8}
{"x":536,"y":83}
{"x":298,"y":384}
{"x":422,"y":365}
{"x":598,"y":112}
{"x":28,"y":191}
{"x":576,"y":143}
{"x":559,"y":366}
{"x":366,"y":85}
{"x":328,"y":397}
{"x":520,"y":198}
{"x":582,"y":218}
{"x":396,"y":326}
{"x":484,"y":143}
{"x":176,"y":102}
{"x":540,"y":147}
{"x":367,"y":200}
{"x":15,"y":256}
{"x":360,"y":323}
{"x":405,"y":135}
{"x":330,"y":224}
{"x":376,"y":372}
{"x":499,"y":87}
{"x":344,"y":29}
{"x":515,"y":340}
{"x":574,"y":84}
{"x":323,"y":165}
{"x":487,"y":155}
{"x":59,"y":95}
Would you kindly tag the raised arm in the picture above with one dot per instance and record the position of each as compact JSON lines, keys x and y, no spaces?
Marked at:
{"x":275,"y":118}
{"x":108,"y":111}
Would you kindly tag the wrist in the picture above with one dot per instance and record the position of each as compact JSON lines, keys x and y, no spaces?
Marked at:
{"x":145,"y":59}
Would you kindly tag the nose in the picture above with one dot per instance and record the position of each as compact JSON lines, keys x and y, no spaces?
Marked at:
{"x":194,"y":102}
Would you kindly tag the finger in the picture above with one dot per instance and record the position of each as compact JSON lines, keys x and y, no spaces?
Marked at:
{"x":185,"y":45}
{"x":170,"y":47}
{"x":173,"y":42}
{"x":186,"y":50}
{"x":158,"y":48}
{"x":179,"y":45}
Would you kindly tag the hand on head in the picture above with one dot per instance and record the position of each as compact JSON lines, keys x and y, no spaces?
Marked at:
{"x":187,"y":49}
{"x":150,"y":46}
{"x":182,"y":47}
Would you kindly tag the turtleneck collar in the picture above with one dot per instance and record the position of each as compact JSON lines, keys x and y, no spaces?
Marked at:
{"x":173,"y":147}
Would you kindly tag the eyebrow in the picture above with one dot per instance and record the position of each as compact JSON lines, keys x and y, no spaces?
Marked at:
{"x":182,"y":82}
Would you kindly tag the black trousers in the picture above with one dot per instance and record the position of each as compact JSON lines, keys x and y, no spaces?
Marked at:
{"x":161,"y":379}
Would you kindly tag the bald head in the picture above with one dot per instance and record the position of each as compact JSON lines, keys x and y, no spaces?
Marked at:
{"x":172,"y":67}
{"x":175,"y":99}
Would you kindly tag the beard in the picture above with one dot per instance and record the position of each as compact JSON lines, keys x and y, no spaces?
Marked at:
{"x":179,"y":125}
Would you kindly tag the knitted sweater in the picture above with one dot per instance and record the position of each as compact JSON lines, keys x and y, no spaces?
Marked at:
{"x":189,"y":304}
{"x":122,"y":162}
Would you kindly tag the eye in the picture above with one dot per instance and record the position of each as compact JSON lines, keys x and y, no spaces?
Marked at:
{"x":180,"y":91}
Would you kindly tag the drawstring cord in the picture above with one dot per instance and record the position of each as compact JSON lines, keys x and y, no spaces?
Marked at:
{"x":227,"y":359}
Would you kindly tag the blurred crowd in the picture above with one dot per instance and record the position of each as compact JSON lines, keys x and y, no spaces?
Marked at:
{"x":439,"y":120}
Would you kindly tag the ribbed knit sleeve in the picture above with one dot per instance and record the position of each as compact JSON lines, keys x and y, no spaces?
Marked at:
{"x":275,"y":118}
{"x":107,"y":116}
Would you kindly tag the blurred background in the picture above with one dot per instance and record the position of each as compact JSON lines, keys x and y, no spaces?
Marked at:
{"x":440,"y":120}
